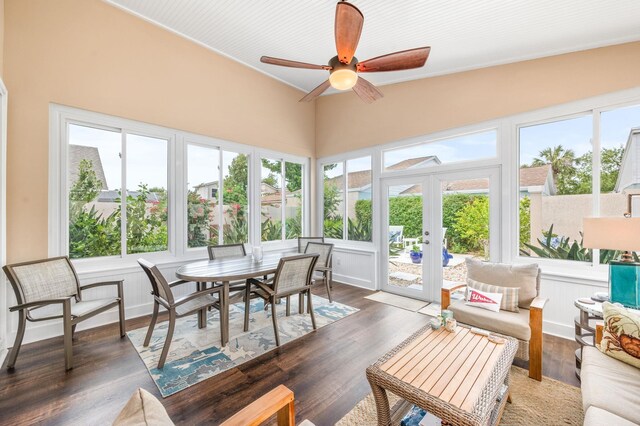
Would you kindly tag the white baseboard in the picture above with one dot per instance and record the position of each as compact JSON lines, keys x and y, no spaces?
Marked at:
{"x":560,"y":330}
{"x":53,"y":328}
{"x":354,"y":281}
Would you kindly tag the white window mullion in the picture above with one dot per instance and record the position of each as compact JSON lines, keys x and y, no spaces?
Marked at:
{"x":596,"y":184}
{"x":123,"y":195}
{"x":345,"y":201}
{"x":220,"y":206}
{"x":283,"y":199}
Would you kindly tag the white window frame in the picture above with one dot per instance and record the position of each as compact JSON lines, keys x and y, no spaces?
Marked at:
{"x":343,"y":159}
{"x":59,"y":119}
{"x":283,"y":242}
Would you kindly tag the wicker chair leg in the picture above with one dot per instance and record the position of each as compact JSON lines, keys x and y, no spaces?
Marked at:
{"x":310,"y":308}
{"x":73,"y":331}
{"x":274,"y":317}
{"x":301,"y":303}
{"x":22,"y":324}
{"x":154,"y":318}
{"x":247,"y":306}
{"x":68,"y":334}
{"x":331,"y":279}
{"x":167,"y":342}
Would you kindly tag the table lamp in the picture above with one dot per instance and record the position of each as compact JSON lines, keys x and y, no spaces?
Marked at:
{"x":618,"y":233}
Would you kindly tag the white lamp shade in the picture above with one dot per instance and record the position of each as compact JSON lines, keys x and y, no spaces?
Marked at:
{"x":613,"y":233}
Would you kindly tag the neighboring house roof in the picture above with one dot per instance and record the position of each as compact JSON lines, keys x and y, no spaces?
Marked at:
{"x":534,"y":176}
{"x":207,"y":184}
{"x":77,"y":153}
{"x":529,"y":177}
{"x":411,"y":163}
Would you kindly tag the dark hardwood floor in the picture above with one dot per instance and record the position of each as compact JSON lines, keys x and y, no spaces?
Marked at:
{"x":325,"y":369}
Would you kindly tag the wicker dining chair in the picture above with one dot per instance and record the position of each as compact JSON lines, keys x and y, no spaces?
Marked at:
{"x":227,"y":251}
{"x":50,"y":289}
{"x":323,"y":267}
{"x":293,"y":276}
{"x":196,"y":302}
{"x":303,"y":241}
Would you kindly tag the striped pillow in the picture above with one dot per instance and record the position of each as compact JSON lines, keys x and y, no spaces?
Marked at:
{"x":509,"y":294}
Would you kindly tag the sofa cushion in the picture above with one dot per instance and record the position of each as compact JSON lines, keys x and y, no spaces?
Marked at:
{"x":610,"y":384}
{"x":621,"y":334}
{"x":598,"y":417}
{"x":143,"y":409}
{"x":525,"y":277}
{"x":515,"y":324}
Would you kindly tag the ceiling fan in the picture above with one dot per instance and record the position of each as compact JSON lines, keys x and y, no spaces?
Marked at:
{"x":344,"y":67}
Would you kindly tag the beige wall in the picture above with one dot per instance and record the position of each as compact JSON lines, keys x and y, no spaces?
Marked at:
{"x":344,"y":123}
{"x":87,"y":54}
{"x":1,"y":37}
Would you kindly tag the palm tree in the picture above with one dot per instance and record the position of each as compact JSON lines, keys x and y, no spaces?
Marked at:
{"x":557,"y":157}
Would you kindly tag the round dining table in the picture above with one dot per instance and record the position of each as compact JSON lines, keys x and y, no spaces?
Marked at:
{"x":225,"y":270}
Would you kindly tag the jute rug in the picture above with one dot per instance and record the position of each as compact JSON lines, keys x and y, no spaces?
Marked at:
{"x":549,"y":402}
{"x":196,"y":354}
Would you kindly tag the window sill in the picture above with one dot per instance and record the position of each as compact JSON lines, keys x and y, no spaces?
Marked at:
{"x":570,"y":272}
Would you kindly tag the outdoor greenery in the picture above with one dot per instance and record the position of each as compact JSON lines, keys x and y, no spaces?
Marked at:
{"x":572,"y":174}
{"x":93,"y":234}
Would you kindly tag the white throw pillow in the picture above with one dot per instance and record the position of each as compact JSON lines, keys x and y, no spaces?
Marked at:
{"x":483,"y":299}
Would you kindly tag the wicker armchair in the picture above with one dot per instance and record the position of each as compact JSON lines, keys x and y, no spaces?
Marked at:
{"x":323,"y":266}
{"x":293,"y":276}
{"x":525,"y":325}
{"x":45,"y":290}
{"x":197,"y":302}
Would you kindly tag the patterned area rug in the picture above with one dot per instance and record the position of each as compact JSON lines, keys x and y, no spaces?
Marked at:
{"x":195,"y":354}
{"x":548,"y":402}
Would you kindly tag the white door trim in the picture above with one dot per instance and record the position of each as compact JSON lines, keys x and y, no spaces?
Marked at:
{"x":4,"y":290}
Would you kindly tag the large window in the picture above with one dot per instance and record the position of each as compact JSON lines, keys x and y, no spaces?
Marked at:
{"x":109,"y":216}
{"x":121,"y":188}
{"x":558,"y":185}
{"x":210,"y":221}
{"x":281,"y":192}
{"x":354,"y":203}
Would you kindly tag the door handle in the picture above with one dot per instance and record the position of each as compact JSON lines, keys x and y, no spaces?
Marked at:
{"x":426,"y":241}
{"x":426,"y":233}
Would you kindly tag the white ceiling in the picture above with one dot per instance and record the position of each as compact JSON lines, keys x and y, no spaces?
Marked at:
{"x":463,"y":35}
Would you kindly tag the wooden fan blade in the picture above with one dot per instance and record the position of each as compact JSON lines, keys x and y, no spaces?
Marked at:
{"x":367,"y":91}
{"x":316,"y":92}
{"x":404,"y":60}
{"x":348,"y":27}
{"x":292,"y":64}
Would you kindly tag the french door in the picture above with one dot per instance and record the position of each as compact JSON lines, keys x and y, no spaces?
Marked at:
{"x":432,"y":223}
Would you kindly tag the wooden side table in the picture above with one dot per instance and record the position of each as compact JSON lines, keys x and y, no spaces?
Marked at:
{"x":585,"y":327}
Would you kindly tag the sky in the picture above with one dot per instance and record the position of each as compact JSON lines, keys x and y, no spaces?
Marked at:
{"x":462,"y":148}
{"x":147,"y":157}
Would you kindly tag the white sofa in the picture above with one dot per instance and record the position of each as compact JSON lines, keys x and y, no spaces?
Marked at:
{"x":610,"y":390}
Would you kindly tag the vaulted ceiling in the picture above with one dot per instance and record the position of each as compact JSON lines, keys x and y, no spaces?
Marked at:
{"x":463,"y":35}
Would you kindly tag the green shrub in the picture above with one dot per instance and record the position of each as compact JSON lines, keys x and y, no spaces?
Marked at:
{"x":407,"y":212}
{"x":472,"y":225}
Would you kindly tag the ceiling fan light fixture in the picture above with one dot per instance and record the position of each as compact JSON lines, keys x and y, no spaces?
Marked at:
{"x":343,"y":79}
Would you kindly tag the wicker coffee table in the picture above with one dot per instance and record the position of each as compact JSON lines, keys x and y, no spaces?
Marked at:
{"x":459,"y":377}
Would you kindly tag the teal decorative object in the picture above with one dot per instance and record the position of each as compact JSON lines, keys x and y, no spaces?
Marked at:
{"x":624,"y":283}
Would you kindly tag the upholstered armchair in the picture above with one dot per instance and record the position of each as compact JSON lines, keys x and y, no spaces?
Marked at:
{"x":50,"y":289}
{"x":525,"y":325}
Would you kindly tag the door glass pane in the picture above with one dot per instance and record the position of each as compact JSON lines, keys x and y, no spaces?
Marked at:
{"x":271,"y":200}
{"x":235,"y":175}
{"x":293,"y":200}
{"x":475,"y":146}
{"x":404,"y":236}
{"x":147,"y":212}
{"x":94,"y":192}
{"x":333,"y":200}
{"x":555,"y":188}
{"x":359,"y":212}
{"x":465,"y":226}
{"x":619,"y":167}
{"x":202,"y":195}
